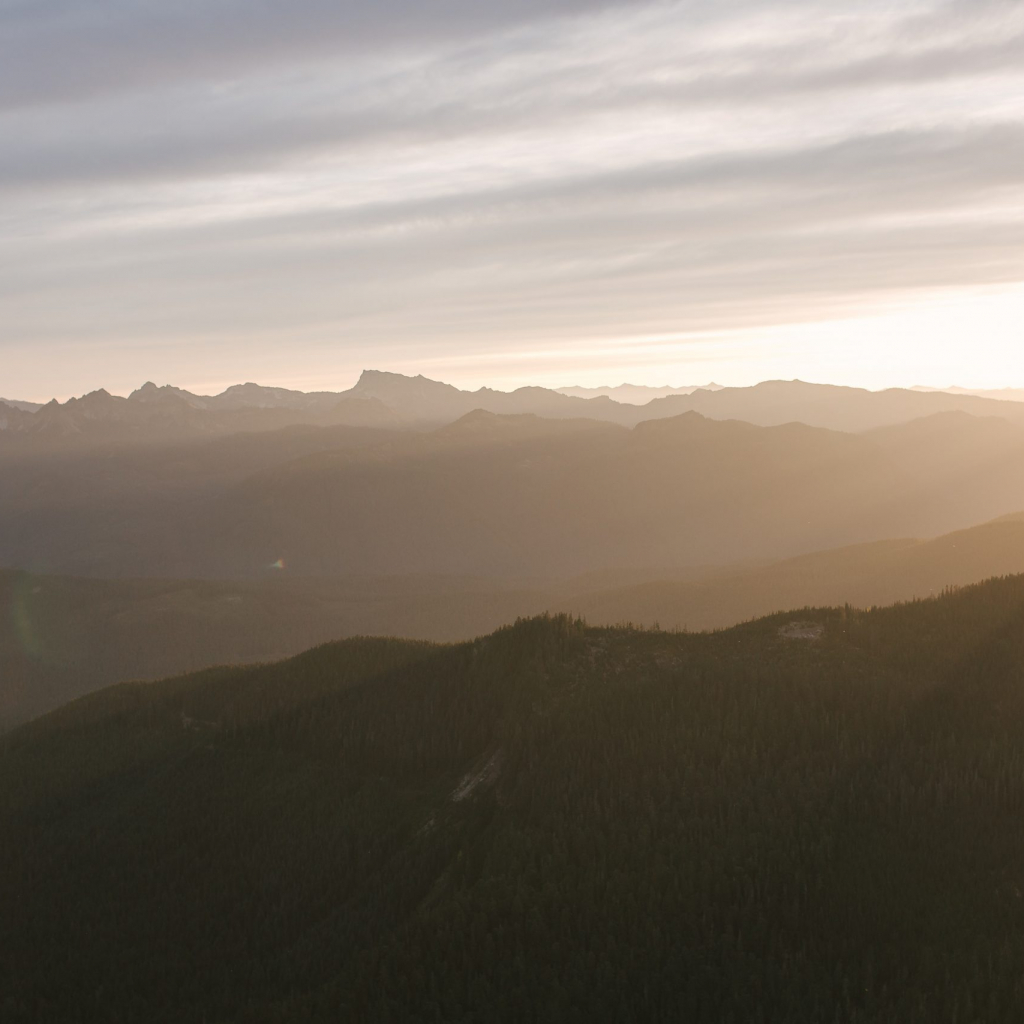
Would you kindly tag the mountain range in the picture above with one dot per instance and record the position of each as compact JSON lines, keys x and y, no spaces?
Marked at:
{"x":635,"y":394}
{"x":1003,"y":394}
{"x":10,"y":403}
{"x":394,"y":401}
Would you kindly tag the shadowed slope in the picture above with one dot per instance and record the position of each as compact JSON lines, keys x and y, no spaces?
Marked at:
{"x":595,"y":824}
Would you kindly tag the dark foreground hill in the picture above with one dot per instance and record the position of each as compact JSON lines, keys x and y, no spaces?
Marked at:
{"x":813,"y":817}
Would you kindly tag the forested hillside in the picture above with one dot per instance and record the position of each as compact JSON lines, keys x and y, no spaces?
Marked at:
{"x":812,"y":817}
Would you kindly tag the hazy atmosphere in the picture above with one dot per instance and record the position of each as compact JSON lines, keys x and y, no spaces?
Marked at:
{"x":488,"y":193}
{"x":511,"y":512}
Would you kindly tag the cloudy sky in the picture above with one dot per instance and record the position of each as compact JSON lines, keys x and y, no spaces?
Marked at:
{"x":510,"y":191}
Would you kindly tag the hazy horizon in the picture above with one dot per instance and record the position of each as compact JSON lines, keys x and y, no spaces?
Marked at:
{"x":213,"y":389}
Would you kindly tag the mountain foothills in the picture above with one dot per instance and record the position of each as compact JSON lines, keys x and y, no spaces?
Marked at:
{"x":811,"y":817}
{"x":62,"y":637}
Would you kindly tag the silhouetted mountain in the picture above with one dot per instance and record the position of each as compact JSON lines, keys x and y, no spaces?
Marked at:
{"x":634,"y":394}
{"x":422,"y":402}
{"x":378,"y":399}
{"x":242,"y":396}
{"x":23,"y":406}
{"x":1003,"y":394}
{"x":150,"y":394}
{"x":150,"y":412}
{"x":167,"y":413}
{"x":824,"y":405}
{"x":392,"y":400}
{"x":813,"y":817}
{"x":254,"y":396}
{"x":13,"y":420}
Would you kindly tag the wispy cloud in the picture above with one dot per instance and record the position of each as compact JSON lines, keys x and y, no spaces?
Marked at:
{"x":427,"y":176}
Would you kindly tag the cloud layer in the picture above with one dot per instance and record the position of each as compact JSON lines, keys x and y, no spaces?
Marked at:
{"x":308,"y":188}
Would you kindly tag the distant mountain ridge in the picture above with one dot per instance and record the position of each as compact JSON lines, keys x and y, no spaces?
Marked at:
{"x":852,"y":410}
{"x":21,"y":406}
{"x":242,"y":396}
{"x":635,"y":394}
{"x":378,"y":399}
{"x":420,"y":401}
{"x":395,"y":401}
{"x":162,"y":413}
{"x":1001,"y":394}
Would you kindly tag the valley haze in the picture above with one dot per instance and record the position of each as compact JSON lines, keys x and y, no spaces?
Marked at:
{"x":512,"y":512}
{"x":167,"y":531}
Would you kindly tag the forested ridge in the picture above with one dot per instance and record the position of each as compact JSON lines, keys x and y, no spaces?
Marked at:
{"x":776,"y":823}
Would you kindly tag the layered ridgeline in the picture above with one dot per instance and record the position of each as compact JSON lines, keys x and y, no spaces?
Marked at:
{"x":813,"y":817}
{"x":635,"y":394}
{"x":9,"y":403}
{"x":391,"y":400}
{"x":500,"y":496}
{"x":62,"y":637}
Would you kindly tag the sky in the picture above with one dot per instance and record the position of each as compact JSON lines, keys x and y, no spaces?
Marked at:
{"x":496,"y":192}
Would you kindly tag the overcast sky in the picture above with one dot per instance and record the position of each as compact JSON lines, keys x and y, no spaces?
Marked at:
{"x":490,"y":191}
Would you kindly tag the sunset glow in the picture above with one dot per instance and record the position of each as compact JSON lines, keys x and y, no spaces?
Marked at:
{"x":551,"y":194}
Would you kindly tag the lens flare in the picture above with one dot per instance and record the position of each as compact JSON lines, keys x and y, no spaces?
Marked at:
{"x":24,"y":620}
{"x":279,"y":564}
